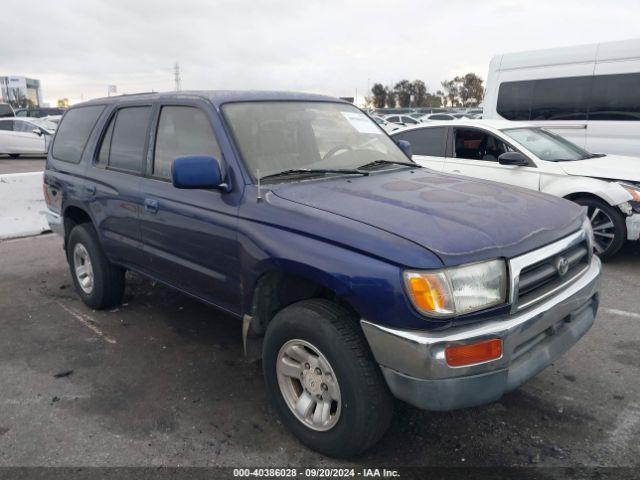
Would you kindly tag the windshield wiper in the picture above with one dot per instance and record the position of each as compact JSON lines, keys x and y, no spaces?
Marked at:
{"x":375,"y":163}
{"x":314,"y":171}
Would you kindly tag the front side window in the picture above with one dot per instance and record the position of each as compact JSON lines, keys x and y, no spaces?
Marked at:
{"x":277,"y":136}
{"x":425,"y":141}
{"x":478,"y":145}
{"x":74,"y":131}
{"x":547,"y":145}
{"x":182,"y":131}
{"x":128,"y":139}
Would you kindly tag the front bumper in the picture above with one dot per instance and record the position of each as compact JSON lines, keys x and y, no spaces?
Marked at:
{"x":55,"y":221}
{"x":633,"y":227}
{"x":416,"y":371}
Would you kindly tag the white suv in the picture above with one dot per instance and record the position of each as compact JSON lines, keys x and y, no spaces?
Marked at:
{"x":535,"y":158}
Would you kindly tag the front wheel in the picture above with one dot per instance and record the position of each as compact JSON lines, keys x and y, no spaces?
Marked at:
{"x":322,"y":379}
{"x":609,"y":227}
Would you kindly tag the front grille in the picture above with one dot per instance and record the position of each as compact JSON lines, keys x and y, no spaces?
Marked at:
{"x":541,"y":274}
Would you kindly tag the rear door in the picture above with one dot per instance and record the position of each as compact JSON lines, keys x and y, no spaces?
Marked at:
{"x":190,"y":235}
{"x":113,"y":183}
{"x":428,"y":145}
{"x":6,"y":136}
{"x":474,"y":152}
{"x":25,"y":140}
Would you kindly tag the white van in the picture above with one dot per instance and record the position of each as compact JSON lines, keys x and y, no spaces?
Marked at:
{"x":589,"y":94}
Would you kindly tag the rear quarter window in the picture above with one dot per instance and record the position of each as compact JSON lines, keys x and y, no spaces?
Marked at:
{"x":74,"y":131}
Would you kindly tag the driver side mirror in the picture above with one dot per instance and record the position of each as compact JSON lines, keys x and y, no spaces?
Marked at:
{"x":197,"y":172}
{"x":513,"y":158}
{"x":37,"y":131}
{"x":405,"y":146}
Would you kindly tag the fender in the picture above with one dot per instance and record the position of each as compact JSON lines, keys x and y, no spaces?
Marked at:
{"x":562,"y":186}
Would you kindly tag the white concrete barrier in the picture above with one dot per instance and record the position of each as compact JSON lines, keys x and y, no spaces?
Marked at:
{"x":21,"y":201}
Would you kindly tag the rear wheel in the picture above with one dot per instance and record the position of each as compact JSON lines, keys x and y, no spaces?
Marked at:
{"x":609,"y":227}
{"x":99,"y":283}
{"x":322,"y":380}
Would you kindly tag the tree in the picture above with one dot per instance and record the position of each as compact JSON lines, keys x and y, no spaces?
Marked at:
{"x":403,"y":90}
{"x":471,"y":89}
{"x":379,"y":95}
{"x":443,"y":97}
{"x":431,"y":100}
{"x":452,"y":92}
{"x":419,"y":92}
{"x":391,"y":97}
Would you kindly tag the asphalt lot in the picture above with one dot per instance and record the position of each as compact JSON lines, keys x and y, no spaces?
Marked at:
{"x":162,"y":381}
{"x":21,"y":164}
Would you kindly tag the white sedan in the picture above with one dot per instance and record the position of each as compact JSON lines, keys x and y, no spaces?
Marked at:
{"x":25,"y":136}
{"x":532,"y":157}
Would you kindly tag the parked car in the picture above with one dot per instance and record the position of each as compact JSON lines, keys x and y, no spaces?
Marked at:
{"x":437,"y":116}
{"x":388,"y":127}
{"x":6,"y":110}
{"x":589,"y":94}
{"x":53,"y":118}
{"x":403,"y":120}
{"x":20,"y":136}
{"x":532,"y":157}
{"x":362,"y":274}
{"x":39,"y":112}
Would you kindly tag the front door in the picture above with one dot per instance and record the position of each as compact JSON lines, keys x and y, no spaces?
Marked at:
{"x":25,"y":140}
{"x":475,"y":153}
{"x":190,"y":235}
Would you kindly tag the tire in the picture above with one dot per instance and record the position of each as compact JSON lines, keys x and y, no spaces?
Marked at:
{"x":106,"y":288}
{"x":14,"y":155}
{"x":365,"y":409}
{"x":602,"y":215}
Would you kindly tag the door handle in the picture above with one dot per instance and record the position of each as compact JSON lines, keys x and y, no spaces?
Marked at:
{"x":151,"y":205}
{"x":90,"y":189}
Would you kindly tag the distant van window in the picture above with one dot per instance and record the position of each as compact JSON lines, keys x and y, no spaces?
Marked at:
{"x":560,"y":99}
{"x":425,"y":141}
{"x":615,"y":97}
{"x":129,"y":138}
{"x":74,"y":131}
{"x":182,"y":131}
{"x":601,"y":97}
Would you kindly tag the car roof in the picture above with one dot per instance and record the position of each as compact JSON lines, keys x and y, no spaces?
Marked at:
{"x":217,"y":97}
{"x":468,"y":122}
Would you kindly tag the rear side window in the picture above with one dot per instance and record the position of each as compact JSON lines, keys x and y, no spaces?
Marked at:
{"x":425,"y":141}
{"x":615,"y":97}
{"x":74,"y":131}
{"x":7,"y":125}
{"x":560,"y":99}
{"x":182,"y":131}
{"x":514,"y":100}
{"x":123,"y":146}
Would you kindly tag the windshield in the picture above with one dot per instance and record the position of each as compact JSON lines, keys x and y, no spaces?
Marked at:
{"x":546,"y":145}
{"x":278,"y":136}
{"x":44,"y":124}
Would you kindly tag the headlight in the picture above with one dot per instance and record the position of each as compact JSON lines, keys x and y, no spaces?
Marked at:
{"x":588,"y":228}
{"x":458,"y":290}
{"x":633,"y":190}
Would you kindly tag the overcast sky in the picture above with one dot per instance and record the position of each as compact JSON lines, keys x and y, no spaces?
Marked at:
{"x":78,"y":47}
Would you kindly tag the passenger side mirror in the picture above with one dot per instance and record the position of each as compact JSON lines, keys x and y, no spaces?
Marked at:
{"x":197,"y":172}
{"x":37,"y":131}
{"x":513,"y":158}
{"x":405,"y":146}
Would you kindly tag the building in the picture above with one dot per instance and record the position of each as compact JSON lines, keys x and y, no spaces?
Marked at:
{"x":21,"y":92}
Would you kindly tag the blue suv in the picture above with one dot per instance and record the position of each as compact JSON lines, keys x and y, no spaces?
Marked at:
{"x":362,"y":275}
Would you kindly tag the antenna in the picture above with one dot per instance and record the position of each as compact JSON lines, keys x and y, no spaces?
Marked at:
{"x":259,"y":188}
{"x":177,"y":81}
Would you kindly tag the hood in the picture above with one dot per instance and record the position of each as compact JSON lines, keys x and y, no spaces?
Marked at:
{"x":615,"y":167}
{"x":459,"y":219}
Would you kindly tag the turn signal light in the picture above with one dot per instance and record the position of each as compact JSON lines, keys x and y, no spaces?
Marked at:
{"x":474,"y":353}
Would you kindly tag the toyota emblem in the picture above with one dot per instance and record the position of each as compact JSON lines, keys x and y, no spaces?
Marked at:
{"x":562,"y":266}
